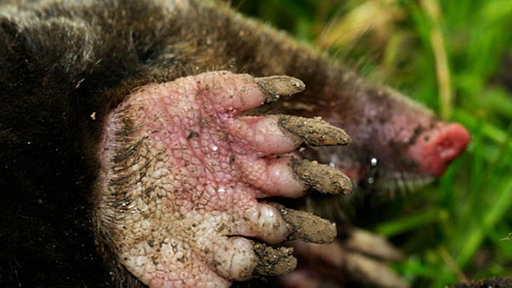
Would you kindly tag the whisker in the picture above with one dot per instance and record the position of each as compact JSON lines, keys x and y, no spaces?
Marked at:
{"x":391,"y":184}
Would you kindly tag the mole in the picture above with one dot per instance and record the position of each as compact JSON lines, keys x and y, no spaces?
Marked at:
{"x":144,"y":143}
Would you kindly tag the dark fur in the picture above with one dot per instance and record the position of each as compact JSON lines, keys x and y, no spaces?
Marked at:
{"x":63,"y":66}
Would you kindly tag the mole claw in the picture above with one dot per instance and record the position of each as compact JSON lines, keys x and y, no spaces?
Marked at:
{"x":314,"y":131}
{"x":307,"y":227}
{"x":321,"y":178}
{"x":274,"y":261}
{"x":275,"y":86}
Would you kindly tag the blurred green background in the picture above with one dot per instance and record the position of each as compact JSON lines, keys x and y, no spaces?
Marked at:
{"x":455,"y":57}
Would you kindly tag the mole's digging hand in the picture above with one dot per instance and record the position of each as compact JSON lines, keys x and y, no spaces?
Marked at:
{"x":181,"y":176}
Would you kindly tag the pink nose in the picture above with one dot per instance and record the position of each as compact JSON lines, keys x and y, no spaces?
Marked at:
{"x":436,"y":148}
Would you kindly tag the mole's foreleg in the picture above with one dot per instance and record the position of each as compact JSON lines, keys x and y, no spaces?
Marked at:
{"x":183,"y":175}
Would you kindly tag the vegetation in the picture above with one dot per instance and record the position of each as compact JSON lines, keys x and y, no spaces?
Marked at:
{"x":455,"y":57}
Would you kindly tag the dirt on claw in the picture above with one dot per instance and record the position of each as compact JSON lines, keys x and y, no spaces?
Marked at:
{"x":314,"y":131}
{"x":321,"y":178}
{"x":308,"y":227}
{"x":274,"y":261}
{"x":276,"y":86}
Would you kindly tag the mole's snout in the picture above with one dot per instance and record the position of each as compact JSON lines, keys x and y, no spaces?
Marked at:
{"x":436,"y":148}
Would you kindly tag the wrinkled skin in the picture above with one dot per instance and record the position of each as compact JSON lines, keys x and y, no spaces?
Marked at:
{"x":123,"y":131}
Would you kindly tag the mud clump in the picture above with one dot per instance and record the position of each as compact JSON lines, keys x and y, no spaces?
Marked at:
{"x":274,"y":261}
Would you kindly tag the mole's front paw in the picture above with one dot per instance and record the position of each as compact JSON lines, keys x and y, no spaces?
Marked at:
{"x":182,"y":174}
